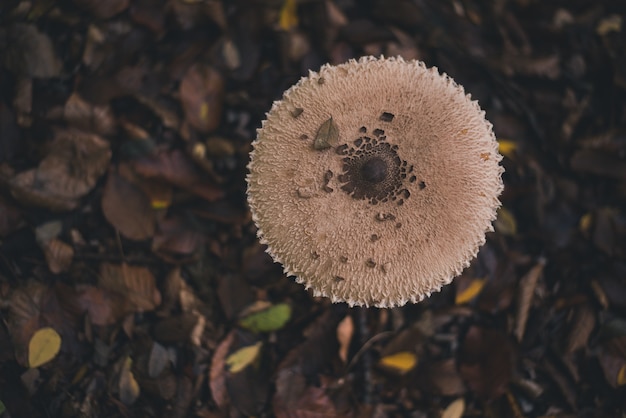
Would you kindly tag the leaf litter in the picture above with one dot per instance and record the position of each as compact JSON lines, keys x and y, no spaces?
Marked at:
{"x":125,"y":129}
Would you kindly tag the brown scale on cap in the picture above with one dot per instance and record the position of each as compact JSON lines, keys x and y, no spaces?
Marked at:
{"x":380,"y":190}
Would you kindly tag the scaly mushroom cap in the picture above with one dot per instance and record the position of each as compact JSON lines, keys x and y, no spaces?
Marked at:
{"x":373,"y":182}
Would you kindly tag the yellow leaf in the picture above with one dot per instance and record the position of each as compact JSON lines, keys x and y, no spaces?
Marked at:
{"x":204,"y":111}
{"x":505,"y":223}
{"x":471,"y":292}
{"x":585,"y":223}
{"x":129,"y":389}
{"x":243,"y":357}
{"x":43,"y":347}
{"x":455,"y":409}
{"x":507,"y":147}
{"x":621,"y":376}
{"x":288,"y":15}
{"x":402,"y":362}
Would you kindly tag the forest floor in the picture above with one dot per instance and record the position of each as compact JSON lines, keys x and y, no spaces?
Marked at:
{"x":132,"y":283}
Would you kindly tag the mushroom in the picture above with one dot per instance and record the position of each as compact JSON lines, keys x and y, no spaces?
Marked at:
{"x":374,"y":182}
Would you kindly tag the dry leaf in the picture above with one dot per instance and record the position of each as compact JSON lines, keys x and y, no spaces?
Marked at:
{"x":327,"y":135}
{"x":201,"y":93}
{"x":470,"y":292}
{"x":103,"y":9}
{"x":288,"y":15}
{"x":217,"y":374}
{"x":455,"y":410}
{"x":127,"y":208}
{"x":44,"y":346}
{"x":128,"y":387}
{"x":345,"y":331}
{"x":75,"y":162}
{"x":527,"y":286}
{"x":137,"y":284}
{"x":59,"y":255}
{"x":402,"y":362}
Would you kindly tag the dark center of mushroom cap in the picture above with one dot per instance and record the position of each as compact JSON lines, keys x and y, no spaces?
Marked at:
{"x":373,"y":170}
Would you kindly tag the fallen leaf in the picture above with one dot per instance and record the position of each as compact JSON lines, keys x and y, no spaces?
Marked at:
{"x":102,"y":306}
{"x":444,"y":378}
{"x":30,"y":52}
{"x":526,"y":291}
{"x":2,"y":408}
{"x":201,"y":94}
{"x":345,"y":331}
{"x":288,"y":18}
{"x":128,"y":387}
{"x":243,"y":357}
{"x":507,"y":148}
{"x":485,"y":361}
{"x":455,"y":410}
{"x":127,"y":208}
{"x":505,"y":223}
{"x":59,"y":255}
{"x":402,"y":362}
{"x":470,"y":292}
{"x":177,"y":169}
{"x":158,"y":361}
{"x":135,"y":283}
{"x":217,"y":373}
{"x":43,"y":347}
{"x":103,"y":9}
{"x":73,"y":165}
{"x":88,"y":117}
{"x":327,"y":135}
{"x":269,"y":319}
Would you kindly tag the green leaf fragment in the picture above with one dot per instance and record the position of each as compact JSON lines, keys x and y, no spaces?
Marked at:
{"x":271,"y":319}
{"x":2,"y":408}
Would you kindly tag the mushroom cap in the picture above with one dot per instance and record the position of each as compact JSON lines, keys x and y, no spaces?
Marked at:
{"x":374,"y":182}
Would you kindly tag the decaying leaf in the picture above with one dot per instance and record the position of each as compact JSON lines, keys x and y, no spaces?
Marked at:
{"x":486,"y":361}
{"x":127,"y":208}
{"x":128,"y":387}
{"x":137,"y":284}
{"x":327,"y":135}
{"x":43,"y":347}
{"x":527,"y":286}
{"x":74,"y":163}
{"x":201,"y":93}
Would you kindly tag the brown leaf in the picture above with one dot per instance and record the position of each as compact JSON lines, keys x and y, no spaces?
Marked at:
{"x":102,"y":306}
{"x":177,"y":169}
{"x":527,"y":286}
{"x":127,"y":208}
{"x":137,"y":284}
{"x":175,"y":240}
{"x":201,"y":93}
{"x":103,"y":9}
{"x":89,"y":117}
{"x":444,"y":379}
{"x":10,"y":218}
{"x":59,"y":255}
{"x":30,"y":53}
{"x":70,"y":170}
{"x":580,"y":329}
{"x":217,"y":373}
{"x":486,"y":361}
